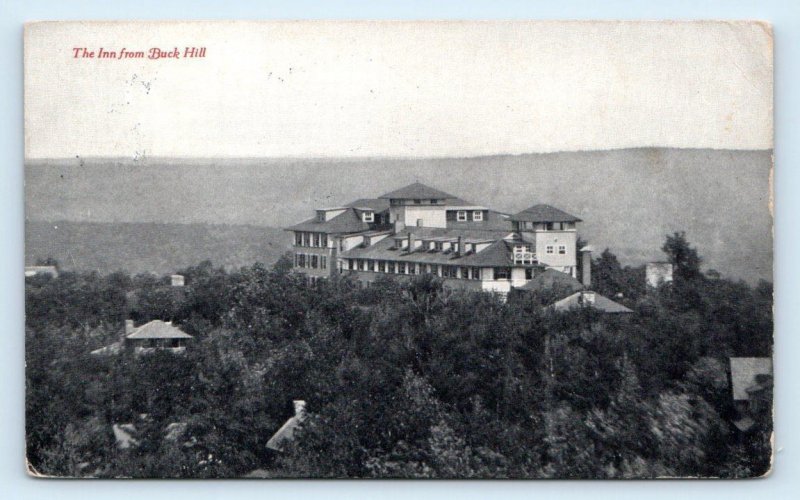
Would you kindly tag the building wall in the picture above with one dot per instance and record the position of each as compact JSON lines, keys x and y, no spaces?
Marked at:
{"x":555,"y":239}
{"x":318,"y":272}
{"x":658,"y":273}
{"x":432,"y":216}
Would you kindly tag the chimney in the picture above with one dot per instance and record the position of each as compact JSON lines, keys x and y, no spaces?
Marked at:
{"x":460,"y":250}
{"x":177,"y":280}
{"x":411,"y":242}
{"x":586,"y":266}
{"x":129,"y":328}
{"x":299,"y":408}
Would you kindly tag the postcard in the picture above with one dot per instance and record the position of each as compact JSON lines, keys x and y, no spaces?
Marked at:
{"x":429,"y":249}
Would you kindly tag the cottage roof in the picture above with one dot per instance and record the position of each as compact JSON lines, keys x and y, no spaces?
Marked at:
{"x":582,"y":299}
{"x":158,"y":329}
{"x":286,"y":433}
{"x":417,"y":191}
{"x":744,"y":372}
{"x":551,"y":279}
{"x":543,"y":213}
{"x":346,"y":222}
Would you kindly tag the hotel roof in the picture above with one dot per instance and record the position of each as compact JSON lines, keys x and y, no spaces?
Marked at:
{"x":375,"y":204}
{"x":417,"y":191}
{"x":348,"y":221}
{"x":544,"y":213}
{"x":499,"y":252}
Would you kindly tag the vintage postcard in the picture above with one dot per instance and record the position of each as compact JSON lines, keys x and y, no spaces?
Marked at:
{"x":398,"y":249}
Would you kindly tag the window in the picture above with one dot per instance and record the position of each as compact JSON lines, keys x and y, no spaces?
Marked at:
{"x":477,"y":215}
{"x":314,"y":261}
{"x":417,"y":202}
{"x":438,"y":245}
{"x":562,"y":249}
{"x":476,"y":273}
{"x":461,"y":215}
{"x":298,"y":239}
{"x":502,"y":273}
{"x":464,"y":273}
{"x":434,"y":202}
{"x":390,"y":267}
{"x":435,"y":269}
{"x":381,"y":266}
{"x":324,"y":240}
{"x":320,"y":216}
{"x":549,"y":249}
{"x":401,"y":268}
{"x":449,"y":271}
{"x":369,"y":217}
{"x":324,"y":262}
{"x":412,"y":268}
{"x":317,"y":239}
{"x":529,"y":273}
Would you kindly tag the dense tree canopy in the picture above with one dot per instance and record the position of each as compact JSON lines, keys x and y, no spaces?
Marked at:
{"x":401,"y":379}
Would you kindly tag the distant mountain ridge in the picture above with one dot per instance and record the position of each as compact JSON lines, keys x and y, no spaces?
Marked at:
{"x":151,"y":247}
{"x":629,"y":199}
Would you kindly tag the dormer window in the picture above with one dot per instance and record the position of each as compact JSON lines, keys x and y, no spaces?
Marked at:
{"x":369,"y":216}
{"x":477,"y":215}
{"x":438,"y":245}
{"x":320,"y":216}
{"x":417,"y":202}
{"x":461,"y":216}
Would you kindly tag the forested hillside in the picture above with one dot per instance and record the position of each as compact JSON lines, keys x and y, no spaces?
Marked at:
{"x":150,"y":247}
{"x":401,"y":379}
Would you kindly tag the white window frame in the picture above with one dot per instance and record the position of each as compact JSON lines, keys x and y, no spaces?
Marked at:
{"x":369,"y":217}
{"x":461,"y":215}
{"x":562,"y":249}
{"x":477,"y":215}
{"x":549,"y":250}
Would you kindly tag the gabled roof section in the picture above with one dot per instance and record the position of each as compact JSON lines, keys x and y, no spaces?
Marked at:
{"x":375,"y":204}
{"x":416,"y":191}
{"x":544,"y":213}
{"x":348,"y":221}
{"x":158,"y":329}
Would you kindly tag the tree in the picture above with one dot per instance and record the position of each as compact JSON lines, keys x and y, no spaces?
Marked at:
{"x":681,"y":255}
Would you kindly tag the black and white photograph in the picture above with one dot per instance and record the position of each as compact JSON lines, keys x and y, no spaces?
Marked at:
{"x":399,"y":249}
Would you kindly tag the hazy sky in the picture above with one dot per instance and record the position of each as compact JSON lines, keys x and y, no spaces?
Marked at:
{"x":396,"y":89}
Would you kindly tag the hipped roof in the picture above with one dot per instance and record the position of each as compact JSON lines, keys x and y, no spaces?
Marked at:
{"x":416,"y":191}
{"x":158,"y":329}
{"x":544,"y":213}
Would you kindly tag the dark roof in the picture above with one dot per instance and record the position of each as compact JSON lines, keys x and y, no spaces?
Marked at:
{"x":551,"y":279}
{"x":158,"y":329}
{"x":498,"y":253}
{"x":376,"y":204}
{"x":601,"y":303}
{"x":495,"y":221}
{"x":348,"y":221}
{"x":544,"y":213}
{"x":416,"y":191}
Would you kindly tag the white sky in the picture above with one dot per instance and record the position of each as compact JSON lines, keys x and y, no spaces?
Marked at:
{"x":397,"y":89}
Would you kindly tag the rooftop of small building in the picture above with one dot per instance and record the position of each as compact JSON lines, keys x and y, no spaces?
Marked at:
{"x":551,"y":279}
{"x":374,"y":204}
{"x":744,"y":374}
{"x":158,"y":329}
{"x":601,"y":303}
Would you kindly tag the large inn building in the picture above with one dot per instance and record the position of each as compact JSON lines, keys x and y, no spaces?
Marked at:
{"x":418,"y":229}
